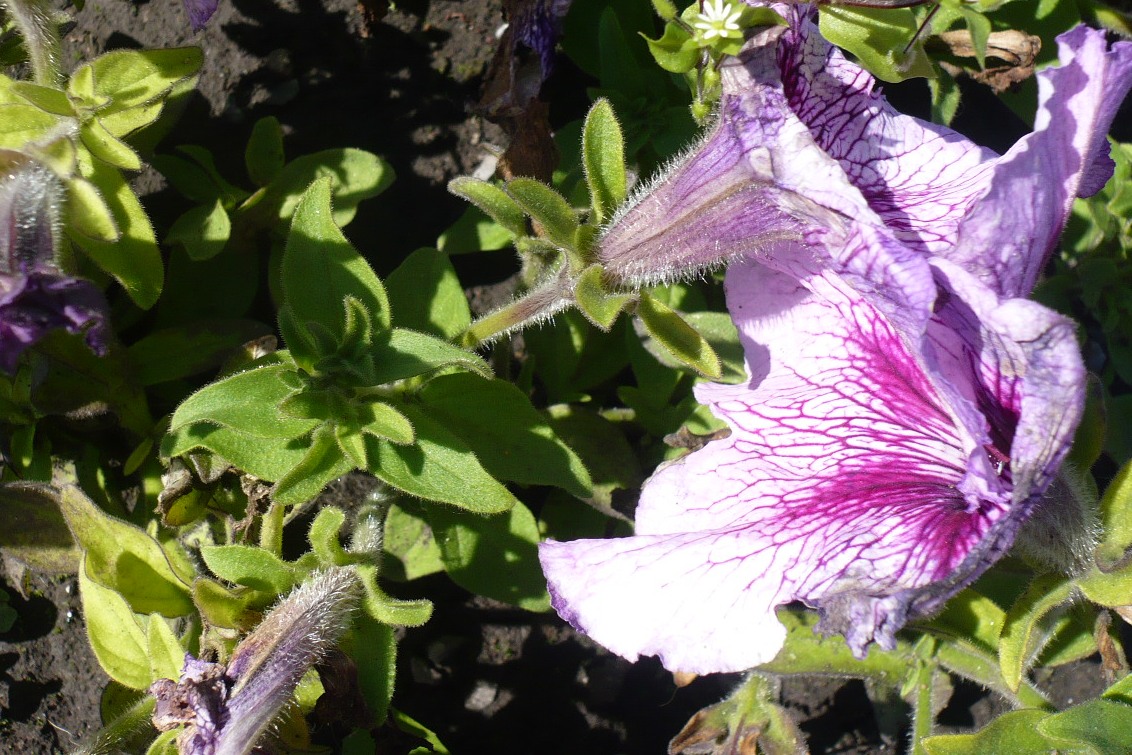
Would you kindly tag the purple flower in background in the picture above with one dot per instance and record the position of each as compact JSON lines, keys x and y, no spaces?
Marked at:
{"x":200,"y":11}
{"x":905,"y":409}
{"x":226,"y":708}
{"x":35,"y":297}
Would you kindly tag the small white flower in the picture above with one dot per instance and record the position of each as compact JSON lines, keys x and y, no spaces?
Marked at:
{"x":719,"y":19}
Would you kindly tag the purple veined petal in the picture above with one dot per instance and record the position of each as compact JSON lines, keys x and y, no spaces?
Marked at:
{"x":919,"y":177}
{"x":1010,"y":232}
{"x":847,"y":483}
{"x":200,"y":11}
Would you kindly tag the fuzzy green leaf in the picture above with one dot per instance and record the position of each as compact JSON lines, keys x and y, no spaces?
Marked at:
{"x":164,"y":651}
{"x":124,"y":558}
{"x":512,"y":440}
{"x":595,"y":301}
{"x":33,"y":530}
{"x":108,"y":148}
{"x":1028,"y":625}
{"x":264,"y":157}
{"x":128,"y":78}
{"x":408,"y":354}
{"x":88,"y":213}
{"x":322,"y":463}
{"x":425,"y":295}
{"x":496,"y":556}
{"x":117,"y":639}
{"x":249,"y":566}
{"x":203,"y":231}
{"x":245,"y":402}
{"x":878,"y":37}
{"x":353,"y":175}
{"x":439,"y":467}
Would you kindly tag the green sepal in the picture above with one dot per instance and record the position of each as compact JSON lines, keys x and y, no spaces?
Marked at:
{"x":251,"y":567}
{"x":387,"y":609}
{"x":125,"y":558}
{"x":496,"y":556}
{"x":21,"y":123}
{"x":438,"y":467}
{"x":493,"y":201}
{"x":323,"y":537}
{"x":1116,"y":521}
{"x":230,"y":609}
{"x":547,"y":208}
{"x":595,"y":301}
{"x":408,"y":545}
{"x":264,"y":157}
{"x":603,"y":160}
{"x":678,"y":337}
{"x":203,"y":231}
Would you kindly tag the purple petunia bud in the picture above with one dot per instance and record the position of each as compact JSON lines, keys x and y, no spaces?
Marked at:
{"x":227,"y":707}
{"x":35,"y":297}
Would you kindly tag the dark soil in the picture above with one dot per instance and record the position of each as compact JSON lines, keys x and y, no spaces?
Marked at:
{"x":485,"y":677}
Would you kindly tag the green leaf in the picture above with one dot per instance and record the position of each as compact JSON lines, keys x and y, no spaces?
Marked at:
{"x":266,"y":458}
{"x":133,"y":259}
{"x":409,"y":542}
{"x":603,"y":159}
{"x":547,"y":207}
{"x":1028,"y":625}
{"x":226,"y":608}
{"x":971,"y":617}
{"x":1106,"y":725}
{"x":106,"y":147}
{"x":188,"y":178}
{"x":178,"y":352}
{"x":676,"y":51}
{"x":124,"y":558}
{"x":384,"y":421}
{"x":878,"y":36}
{"x":203,"y":231}
{"x":425,"y":295}
{"x":439,"y":467}
{"x":317,"y":251}
{"x":496,"y":556}
{"x":88,"y":213}
{"x":166,"y":656}
{"x":719,"y":331}
{"x":353,"y":175}
{"x":678,"y":337}
{"x":44,"y":97}
{"x":1014,"y":732}
{"x":127,"y":122}
{"x":473,"y":231}
{"x":806,"y":652}
{"x":946,"y":97}
{"x":1116,"y":519}
{"x":33,"y":530}
{"x":264,"y":157}
{"x":408,"y":354}
{"x":610,"y":459}
{"x":323,"y":463}
{"x":245,"y":402}
{"x":117,"y":639}
{"x":492,"y":201}
{"x":980,"y":28}
{"x":128,"y":78}
{"x":595,"y":301}
{"x":20,"y":124}
{"x":373,"y":646}
{"x":249,"y":566}
{"x":512,"y":440}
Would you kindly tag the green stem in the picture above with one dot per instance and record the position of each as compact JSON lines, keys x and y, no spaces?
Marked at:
{"x":923,"y":715}
{"x":40,"y":33}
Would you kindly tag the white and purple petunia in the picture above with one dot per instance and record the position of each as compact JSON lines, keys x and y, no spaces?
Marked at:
{"x":906,"y":407}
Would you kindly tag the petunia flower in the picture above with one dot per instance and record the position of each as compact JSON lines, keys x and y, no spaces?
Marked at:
{"x":199,"y":12}
{"x":35,"y":297}
{"x":225,"y":709}
{"x":906,"y":407}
